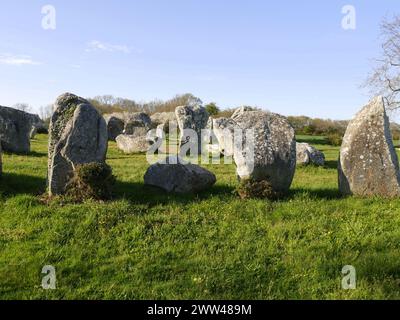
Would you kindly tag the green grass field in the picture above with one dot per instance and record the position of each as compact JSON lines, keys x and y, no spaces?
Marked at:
{"x":147,"y":245}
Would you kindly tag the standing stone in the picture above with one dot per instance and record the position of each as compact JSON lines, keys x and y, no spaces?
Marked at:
{"x":274,"y":145}
{"x":223,"y":129}
{"x":1,"y":161}
{"x":137,"y":124}
{"x":15,"y":130}
{"x":115,"y":126}
{"x":172,"y":175}
{"x":368,"y":164}
{"x":307,"y":154}
{"x":77,"y":135}
{"x":191,"y":117}
{"x":166,"y":121}
{"x":38,"y":125}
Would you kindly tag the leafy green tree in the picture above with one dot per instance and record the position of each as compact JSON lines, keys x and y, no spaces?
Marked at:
{"x":212,"y":109}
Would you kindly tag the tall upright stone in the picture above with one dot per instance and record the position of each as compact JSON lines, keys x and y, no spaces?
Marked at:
{"x":15,"y":130}
{"x":270,"y":153}
{"x":115,"y":126}
{"x":194,"y":118}
{"x":129,"y":123}
{"x":1,"y":161}
{"x":137,"y":124}
{"x":77,"y":135}
{"x":38,"y":125}
{"x":223,"y":129}
{"x":368,"y":164}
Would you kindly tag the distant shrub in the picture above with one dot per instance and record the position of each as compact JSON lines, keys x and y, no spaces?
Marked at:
{"x":42,"y":131}
{"x":250,"y":189}
{"x":335,"y":139}
{"x":212,"y":109}
{"x":226,"y":113}
{"x":91,"y":181}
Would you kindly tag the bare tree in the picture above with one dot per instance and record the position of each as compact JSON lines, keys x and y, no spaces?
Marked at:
{"x":22,"y":106}
{"x":385,"y":79}
{"x":46,"y":112}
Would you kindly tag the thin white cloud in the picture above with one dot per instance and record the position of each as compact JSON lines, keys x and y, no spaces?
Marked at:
{"x":96,"y":45}
{"x":17,"y":60}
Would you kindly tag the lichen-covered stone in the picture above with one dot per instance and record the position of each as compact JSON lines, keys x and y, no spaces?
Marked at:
{"x":15,"y":130}
{"x":129,"y":123}
{"x":135,"y":121}
{"x":115,"y":126}
{"x":194,"y":118}
{"x":132,"y":144}
{"x":1,"y":161}
{"x":38,"y":125}
{"x":166,"y":121}
{"x":273,"y":144}
{"x":368,"y":164}
{"x":307,"y":154}
{"x":172,"y":175}
{"x":223,"y":129}
{"x":77,"y":135}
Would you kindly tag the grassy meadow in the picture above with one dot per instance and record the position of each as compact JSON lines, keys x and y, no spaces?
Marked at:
{"x":149,"y":245}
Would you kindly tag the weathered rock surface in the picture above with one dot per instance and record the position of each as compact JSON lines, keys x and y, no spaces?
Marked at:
{"x":1,"y":161}
{"x":15,"y":130}
{"x":274,"y":148}
{"x":165,"y":121}
{"x":191,"y":117}
{"x":132,"y":144}
{"x":135,"y":124}
{"x":115,"y":126}
{"x":307,"y":154}
{"x":368,"y":164}
{"x":174,"y":176}
{"x":77,"y":135}
{"x":223,"y":129}
{"x":38,"y":125}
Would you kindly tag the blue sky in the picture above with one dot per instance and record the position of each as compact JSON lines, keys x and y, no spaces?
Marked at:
{"x":291,"y":57}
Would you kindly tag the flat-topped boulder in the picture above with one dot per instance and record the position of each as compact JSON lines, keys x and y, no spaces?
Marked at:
{"x":130,"y":144}
{"x":308,"y":155}
{"x":368,"y":164}
{"x":77,"y":135}
{"x":15,"y":130}
{"x":172,"y":175}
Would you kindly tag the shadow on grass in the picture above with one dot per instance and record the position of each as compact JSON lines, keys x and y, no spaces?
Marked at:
{"x":32,"y":154}
{"x":326,"y":194}
{"x":35,"y":154}
{"x":12,"y":184}
{"x":143,"y":194}
{"x":331,"y":164}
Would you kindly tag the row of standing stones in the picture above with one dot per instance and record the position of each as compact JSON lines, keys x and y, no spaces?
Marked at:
{"x":78,"y":135}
